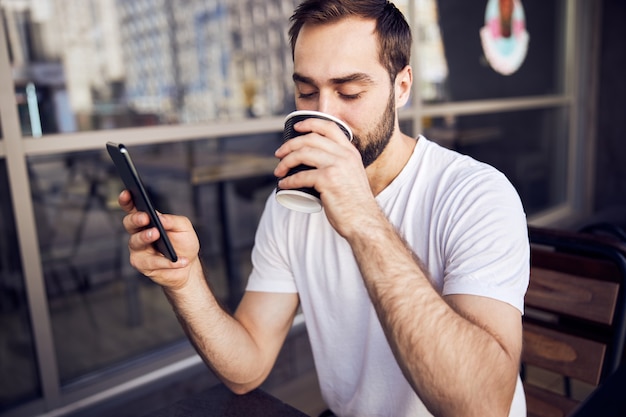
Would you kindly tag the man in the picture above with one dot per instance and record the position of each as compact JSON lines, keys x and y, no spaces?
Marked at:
{"x":411,"y":279}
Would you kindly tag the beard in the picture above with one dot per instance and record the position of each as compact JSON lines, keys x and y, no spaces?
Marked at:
{"x":372,"y":143}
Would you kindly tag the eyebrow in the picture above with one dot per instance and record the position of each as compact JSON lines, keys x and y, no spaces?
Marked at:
{"x":358,"y":77}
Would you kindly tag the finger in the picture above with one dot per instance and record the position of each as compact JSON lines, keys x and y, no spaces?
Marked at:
{"x":125,"y":201}
{"x":306,"y":142}
{"x":290,"y":145}
{"x":173,"y":223}
{"x":135,"y":221}
{"x":306,"y":178}
{"x":312,"y":131}
{"x":313,"y":156}
{"x":322,"y":127}
{"x":313,"y":150}
{"x":143,"y":240}
{"x":150,"y":263}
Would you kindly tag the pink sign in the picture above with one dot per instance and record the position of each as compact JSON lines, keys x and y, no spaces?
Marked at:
{"x":504,"y":37}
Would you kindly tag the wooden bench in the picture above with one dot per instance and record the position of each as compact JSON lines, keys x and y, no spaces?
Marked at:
{"x":574,"y":324}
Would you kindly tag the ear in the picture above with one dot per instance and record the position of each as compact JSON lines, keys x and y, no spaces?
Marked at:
{"x":402,"y":87}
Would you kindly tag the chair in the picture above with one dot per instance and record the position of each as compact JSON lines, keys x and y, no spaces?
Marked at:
{"x":607,"y":229}
{"x":574,"y":324}
{"x":608,"y":399}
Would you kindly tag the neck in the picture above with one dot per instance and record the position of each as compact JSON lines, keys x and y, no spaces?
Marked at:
{"x":389,"y":164}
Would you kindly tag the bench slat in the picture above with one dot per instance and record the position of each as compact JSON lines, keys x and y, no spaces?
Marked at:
{"x":572,"y":295}
{"x":565,"y":354}
{"x":543,"y":403}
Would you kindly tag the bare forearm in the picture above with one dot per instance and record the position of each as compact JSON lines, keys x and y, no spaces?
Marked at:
{"x":450,"y":362}
{"x":236,"y":349}
{"x":222,"y":342}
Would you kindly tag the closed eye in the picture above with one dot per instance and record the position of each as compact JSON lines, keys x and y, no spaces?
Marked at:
{"x":306,"y":96}
{"x":350,"y":96}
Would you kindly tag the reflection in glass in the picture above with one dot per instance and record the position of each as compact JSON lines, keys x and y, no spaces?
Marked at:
{"x":18,"y":373}
{"x":103,"y":312}
{"x":529,"y":147}
{"x":106,"y":64}
{"x":433,"y":69}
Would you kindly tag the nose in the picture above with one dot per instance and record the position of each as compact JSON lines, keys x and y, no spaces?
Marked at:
{"x":328,"y":103}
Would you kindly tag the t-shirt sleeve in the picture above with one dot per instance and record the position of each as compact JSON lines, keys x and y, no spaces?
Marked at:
{"x":486,"y":246}
{"x":270,"y":266}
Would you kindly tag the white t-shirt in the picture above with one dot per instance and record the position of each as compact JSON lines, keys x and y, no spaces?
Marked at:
{"x":462,"y":218}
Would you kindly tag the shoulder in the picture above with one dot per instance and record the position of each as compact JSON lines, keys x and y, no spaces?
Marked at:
{"x":450,"y":164}
{"x":456,"y":176}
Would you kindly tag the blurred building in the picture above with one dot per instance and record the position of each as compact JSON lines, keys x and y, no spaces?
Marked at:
{"x":127,"y":63}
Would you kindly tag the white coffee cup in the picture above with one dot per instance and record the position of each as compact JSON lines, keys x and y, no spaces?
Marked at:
{"x":306,"y":200}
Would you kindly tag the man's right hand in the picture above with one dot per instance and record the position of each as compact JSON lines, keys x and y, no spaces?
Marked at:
{"x":150,"y":262}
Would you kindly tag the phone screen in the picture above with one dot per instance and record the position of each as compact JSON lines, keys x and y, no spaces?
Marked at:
{"x":127,"y":171}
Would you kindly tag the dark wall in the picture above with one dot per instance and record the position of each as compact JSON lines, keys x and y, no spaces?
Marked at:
{"x":611,"y":122}
{"x":470,"y":76}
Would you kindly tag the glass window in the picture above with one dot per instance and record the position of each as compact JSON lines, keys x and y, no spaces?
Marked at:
{"x":530,"y":147}
{"x":464,"y":56}
{"x":102,"y":311}
{"x":104,"y":64}
{"x":19,"y":380}
{"x":107,"y":64}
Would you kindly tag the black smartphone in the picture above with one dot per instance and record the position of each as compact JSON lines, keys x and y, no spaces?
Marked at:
{"x":127,"y":171}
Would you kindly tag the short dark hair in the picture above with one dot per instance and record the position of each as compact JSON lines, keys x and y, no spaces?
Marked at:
{"x":392,"y":30}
